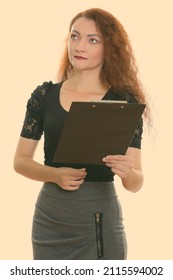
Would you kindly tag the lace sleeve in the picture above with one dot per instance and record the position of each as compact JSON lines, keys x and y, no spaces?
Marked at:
{"x":33,"y":124}
{"x":136,"y":141}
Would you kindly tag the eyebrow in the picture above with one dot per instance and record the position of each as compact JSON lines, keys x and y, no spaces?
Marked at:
{"x":89,"y":35}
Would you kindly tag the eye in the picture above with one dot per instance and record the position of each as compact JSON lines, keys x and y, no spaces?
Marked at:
{"x":93,"y":41}
{"x":74,"y":37}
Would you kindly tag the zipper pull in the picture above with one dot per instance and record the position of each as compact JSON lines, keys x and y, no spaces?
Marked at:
{"x":97,"y":217}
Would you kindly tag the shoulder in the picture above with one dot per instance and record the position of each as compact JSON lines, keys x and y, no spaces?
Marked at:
{"x":47,"y":88}
{"x":42,"y":89}
{"x":43,"y":95}
{"x":123,"y":95}
{"x":37,"y":96}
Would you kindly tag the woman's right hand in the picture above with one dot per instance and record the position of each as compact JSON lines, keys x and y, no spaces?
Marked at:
{"x":67,"y":178}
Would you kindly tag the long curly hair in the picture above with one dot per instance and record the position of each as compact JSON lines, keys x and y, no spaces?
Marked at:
{"x":119,"y":70}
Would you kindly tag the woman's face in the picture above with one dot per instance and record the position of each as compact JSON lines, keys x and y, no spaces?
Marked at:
{"x":85,"y":46}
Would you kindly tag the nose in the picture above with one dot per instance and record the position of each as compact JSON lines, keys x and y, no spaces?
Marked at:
{"x":80,"y":46}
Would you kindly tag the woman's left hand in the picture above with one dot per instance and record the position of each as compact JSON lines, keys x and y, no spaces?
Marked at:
{"x":122,"y":165}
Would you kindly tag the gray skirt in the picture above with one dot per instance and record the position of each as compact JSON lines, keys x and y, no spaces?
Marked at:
{"x":82,"y":225}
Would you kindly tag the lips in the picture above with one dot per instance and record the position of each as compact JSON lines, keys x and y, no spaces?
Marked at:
{"x":80,"y":57}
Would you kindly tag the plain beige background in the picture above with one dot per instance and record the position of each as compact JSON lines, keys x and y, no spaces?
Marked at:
{"x":32,"y":35}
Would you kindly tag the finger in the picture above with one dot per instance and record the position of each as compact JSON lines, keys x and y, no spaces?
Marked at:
{"x":115,"y":165}
{"x":121,"y":174}
{"x":75,"y":183}
{"x":120,"y":168}
{"x":71,"y":188}
{"x":115,"y":158}
{"x":77,"y":172}
{"x":74,"y":178}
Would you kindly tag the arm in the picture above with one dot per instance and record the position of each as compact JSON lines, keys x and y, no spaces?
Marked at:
{"x":67,"y":178}
{"x":128,"y":168}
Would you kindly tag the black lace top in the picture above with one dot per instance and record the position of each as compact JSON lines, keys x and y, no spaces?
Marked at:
{"x":45,"y":114}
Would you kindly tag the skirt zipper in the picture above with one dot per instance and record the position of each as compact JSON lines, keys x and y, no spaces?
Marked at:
{"x":99,"y":236}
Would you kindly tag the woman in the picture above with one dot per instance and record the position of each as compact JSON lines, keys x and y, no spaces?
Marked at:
{"x":77,"y":214}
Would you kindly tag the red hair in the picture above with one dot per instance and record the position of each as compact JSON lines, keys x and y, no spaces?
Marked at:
{"x":119,"y":70}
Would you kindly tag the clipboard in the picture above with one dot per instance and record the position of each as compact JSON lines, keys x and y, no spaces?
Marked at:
{"x":93,"y":130}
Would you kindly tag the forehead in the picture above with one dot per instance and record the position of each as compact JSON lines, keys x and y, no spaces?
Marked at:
{"x":85,"y":26}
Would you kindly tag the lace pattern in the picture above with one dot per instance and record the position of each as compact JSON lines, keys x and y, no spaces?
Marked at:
{"x":32,"y":127}
{"x":136,"y":141}
{"x":33,"y":123}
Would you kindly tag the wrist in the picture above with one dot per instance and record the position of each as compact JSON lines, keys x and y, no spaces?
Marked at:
{"x":134,"y":181}
{"x":51,"y":174}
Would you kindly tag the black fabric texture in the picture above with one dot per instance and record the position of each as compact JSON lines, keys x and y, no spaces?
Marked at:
{"x":45,"y":115}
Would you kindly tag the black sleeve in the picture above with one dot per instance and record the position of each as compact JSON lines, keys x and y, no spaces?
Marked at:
{"x":136,"y":141}
{"x":33,"y":122}
{"x":137,"y":138}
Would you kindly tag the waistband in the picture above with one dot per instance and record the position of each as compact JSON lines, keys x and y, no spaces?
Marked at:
{"x":88,"y":190}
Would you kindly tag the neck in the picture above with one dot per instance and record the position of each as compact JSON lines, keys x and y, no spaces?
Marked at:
{"x":87,"y":82}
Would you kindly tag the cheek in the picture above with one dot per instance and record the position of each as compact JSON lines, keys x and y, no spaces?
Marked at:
{"x":99,"y":55}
